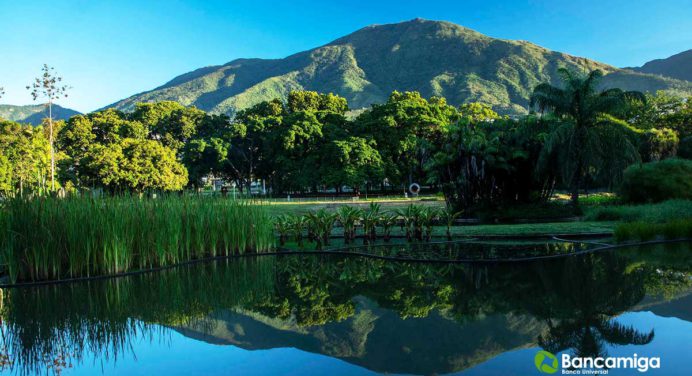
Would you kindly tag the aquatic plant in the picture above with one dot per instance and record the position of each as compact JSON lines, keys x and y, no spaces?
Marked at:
{"x":348,"y":216}
{"x":388,"y":220}
{"x":282,"y":223}
{"x":448,"y":215}
{"x":322,"y":223}
{"x":48,"y":238}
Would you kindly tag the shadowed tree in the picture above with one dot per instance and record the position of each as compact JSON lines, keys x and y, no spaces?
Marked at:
{"x":590,"y":139}
{"x":49,"y":86}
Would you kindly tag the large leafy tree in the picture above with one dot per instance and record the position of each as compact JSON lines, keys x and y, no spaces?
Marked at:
{"x":589,"y":139}
{"x":352,"y":161}
{"x":407,"y":130}
{"x":27,"y":158}
{"x":113,"y":150}
{"x":248,"y":155}
{"x":169,"y":122}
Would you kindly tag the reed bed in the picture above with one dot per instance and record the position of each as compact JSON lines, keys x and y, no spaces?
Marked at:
{"x":47,"y":239}
{"x":645,"y":231}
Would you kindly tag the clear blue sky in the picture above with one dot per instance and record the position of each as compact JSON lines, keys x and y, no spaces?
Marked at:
{"x":108,"y":50}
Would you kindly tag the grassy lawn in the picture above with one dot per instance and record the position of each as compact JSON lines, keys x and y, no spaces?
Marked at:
{"x":303,"y":207}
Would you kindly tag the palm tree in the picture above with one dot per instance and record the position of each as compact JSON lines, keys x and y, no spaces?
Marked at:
{"x":588,"y":139}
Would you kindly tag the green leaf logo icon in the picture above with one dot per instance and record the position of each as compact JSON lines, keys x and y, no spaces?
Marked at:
{"x":545,"y":362}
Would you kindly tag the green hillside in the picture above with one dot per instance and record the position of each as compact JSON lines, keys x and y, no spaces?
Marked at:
{"x":678,"y":66}
{"x":34,"y":113}
{"x":433,"y":57}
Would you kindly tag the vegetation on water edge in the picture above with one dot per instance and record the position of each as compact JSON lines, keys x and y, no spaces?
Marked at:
{"x":645,"y":231}
{"x":416,"y":221}
{"x":650,"y":213}
{"x":45,"y":239}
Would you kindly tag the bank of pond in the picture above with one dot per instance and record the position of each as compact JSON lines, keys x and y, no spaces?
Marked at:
{"x":47,"y":239}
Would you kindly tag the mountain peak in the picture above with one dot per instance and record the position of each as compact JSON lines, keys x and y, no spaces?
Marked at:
{"x":436,"y":58}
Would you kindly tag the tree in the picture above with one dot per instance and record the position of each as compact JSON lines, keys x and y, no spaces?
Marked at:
{"x":148,"y":164}
{"x":169,"y":122}
{"x":82,"y":133}
{"x":49,"y":86}
{"x":110,"y":149}
{"x":351,"y":162}
{"x":477,"y":165}
{"x":27,"y":153}
{"x":407,"y":129}
{"x":586,"y":138}
{"x":248,"y":156}
{"x":5,"y":175}
{"x":662,"y":110}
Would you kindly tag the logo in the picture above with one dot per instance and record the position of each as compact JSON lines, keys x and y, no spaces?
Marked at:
{"x":545,"y":362}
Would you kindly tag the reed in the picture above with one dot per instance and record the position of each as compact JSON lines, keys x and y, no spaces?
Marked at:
{"x":46,"y":239}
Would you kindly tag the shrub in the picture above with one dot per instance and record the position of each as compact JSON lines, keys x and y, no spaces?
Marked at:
{"x":658,"y":181}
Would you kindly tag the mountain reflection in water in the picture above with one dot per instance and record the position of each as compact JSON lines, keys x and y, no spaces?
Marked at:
{"x":388,"y":317}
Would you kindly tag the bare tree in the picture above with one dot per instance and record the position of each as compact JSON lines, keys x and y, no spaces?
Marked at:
{"x":49,"y":86}
{"x":2,"y":91}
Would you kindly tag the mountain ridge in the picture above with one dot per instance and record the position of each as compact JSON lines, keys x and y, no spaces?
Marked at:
{"x":433,"y":57}
{"x":34,"y":113}
{"x":678,"y":66}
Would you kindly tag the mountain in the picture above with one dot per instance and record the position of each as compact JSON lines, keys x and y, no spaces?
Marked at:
{"x":427,"y":346}
{"x":34,"y":113}
{"x":432,"y":57}
{"x":677,"y":66}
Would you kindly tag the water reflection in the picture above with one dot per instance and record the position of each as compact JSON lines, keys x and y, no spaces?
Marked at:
{"x":381,"y":315}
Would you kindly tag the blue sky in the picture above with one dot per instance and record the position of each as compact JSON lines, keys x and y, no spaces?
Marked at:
{"x":108,"y":50}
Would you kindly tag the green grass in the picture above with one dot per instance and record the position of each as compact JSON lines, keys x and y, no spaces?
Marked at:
{"x":46,"y":239}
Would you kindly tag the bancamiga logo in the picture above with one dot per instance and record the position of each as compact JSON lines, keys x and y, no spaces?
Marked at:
{"x":546,"y":362}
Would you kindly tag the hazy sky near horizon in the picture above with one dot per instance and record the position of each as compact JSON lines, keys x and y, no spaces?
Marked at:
{"x":109,"y":50}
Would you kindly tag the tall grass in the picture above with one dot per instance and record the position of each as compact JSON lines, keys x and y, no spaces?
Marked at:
{"x":645,"y":231}
{"x":45,"y":239}
{"x":654,"y":213}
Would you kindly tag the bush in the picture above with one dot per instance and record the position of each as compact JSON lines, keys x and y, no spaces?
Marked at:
{"x":657,"y":181}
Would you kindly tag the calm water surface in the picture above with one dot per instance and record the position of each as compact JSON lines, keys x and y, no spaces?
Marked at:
{"x":305,"y":315}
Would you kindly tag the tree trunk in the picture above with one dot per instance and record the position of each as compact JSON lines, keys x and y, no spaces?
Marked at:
{"x":52,"y":151}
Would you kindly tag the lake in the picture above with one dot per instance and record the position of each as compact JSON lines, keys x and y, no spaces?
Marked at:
{"x":351,"y":315}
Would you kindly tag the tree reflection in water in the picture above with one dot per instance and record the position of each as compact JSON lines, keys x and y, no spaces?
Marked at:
{"x":473,"y":312}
